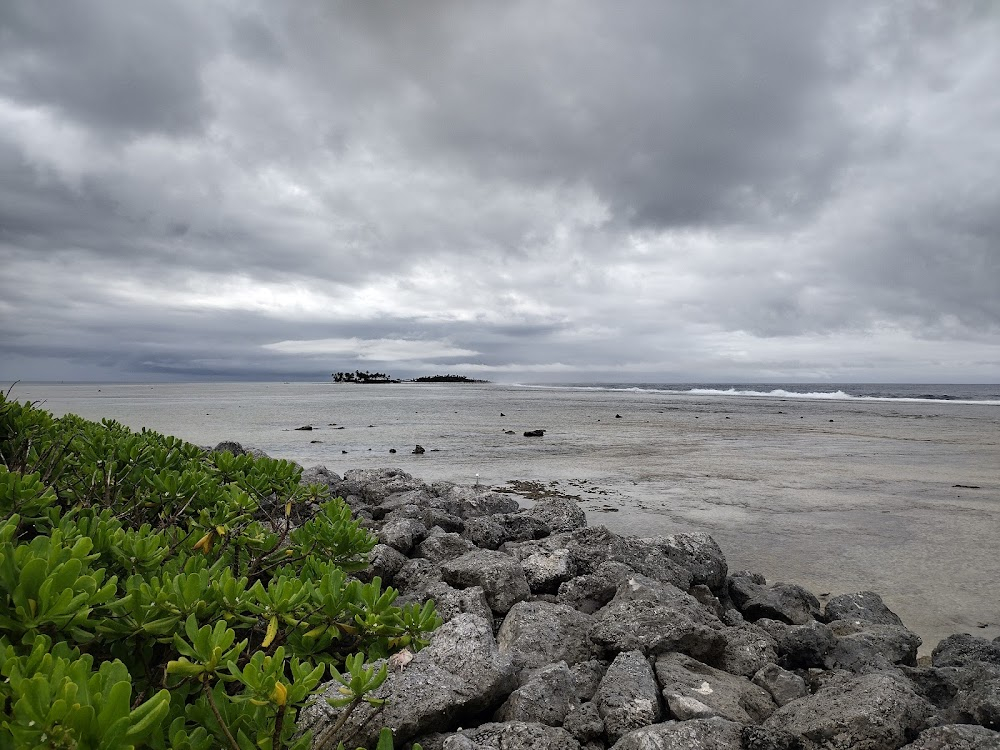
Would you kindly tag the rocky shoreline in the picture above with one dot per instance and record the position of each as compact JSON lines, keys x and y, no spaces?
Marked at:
{"x":559,"y":635}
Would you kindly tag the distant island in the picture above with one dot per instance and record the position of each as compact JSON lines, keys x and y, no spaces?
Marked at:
{"x":365,"y":377}
{"x":362,"y":376}
{"x":446,"y":379}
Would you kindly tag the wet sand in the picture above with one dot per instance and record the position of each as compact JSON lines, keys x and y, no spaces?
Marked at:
{"x":865,"y":501}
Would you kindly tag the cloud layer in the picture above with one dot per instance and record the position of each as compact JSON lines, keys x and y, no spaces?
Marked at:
{"x":521,"y":191}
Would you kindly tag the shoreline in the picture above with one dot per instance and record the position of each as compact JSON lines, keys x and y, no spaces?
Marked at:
{"x":867,"y":501}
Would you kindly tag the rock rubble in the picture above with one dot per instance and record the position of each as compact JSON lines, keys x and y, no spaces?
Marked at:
{"x":558,"y":635}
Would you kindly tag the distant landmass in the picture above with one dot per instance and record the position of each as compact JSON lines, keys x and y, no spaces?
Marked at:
{"x":365,"y":377}
{"x":446,"y":379}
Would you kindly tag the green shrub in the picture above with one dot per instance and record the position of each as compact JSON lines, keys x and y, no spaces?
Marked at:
{"x":207,"y":589}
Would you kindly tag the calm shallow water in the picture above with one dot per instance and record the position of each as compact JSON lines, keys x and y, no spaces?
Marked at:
{"x":865,"y":501}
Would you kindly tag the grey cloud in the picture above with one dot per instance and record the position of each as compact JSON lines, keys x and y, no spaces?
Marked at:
{"x":115,"y":65}
{"x":653,"y":188}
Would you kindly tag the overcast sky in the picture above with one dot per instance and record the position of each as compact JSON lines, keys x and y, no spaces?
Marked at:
{"x":546,"y":190}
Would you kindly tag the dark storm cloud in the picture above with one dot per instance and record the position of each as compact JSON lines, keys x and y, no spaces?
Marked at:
{"x":115,"y":66}
{"x":528,"y":190}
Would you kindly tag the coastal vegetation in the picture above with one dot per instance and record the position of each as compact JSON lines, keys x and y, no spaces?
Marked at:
{"x":365,"y":377}
{"x":154,"y":594}
{"x":446,"y":379}
{"x":362,"y":376}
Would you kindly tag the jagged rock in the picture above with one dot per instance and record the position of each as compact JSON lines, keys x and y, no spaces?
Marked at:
{"x":515,"y":735}
{"x":869,"y":712}
{"x":588,"y":593}
{"x":534,"y":433}
{"x":783,"y":686}
{"x":865,"y":647}
{"x":412,"y":502}
{"x":441,"y":547}
{"x":961,"y":649}
{"x":546,"y":571}
{"x":726,"y":695}
{"x":706,"y":596}
{"x":697,"y":552}
{"x":546,"y":697}
{"x":401,"y":512}
{"x":500,"y":575}
{"x":866,"y":606}
{"x":804,"y":646}
{"x":230,"y":446}
{"x":402,"y":534}
{"x":519,"y":527}
{"x":559,"y":514}
{"x":591,"y":547}
{"x":450,"y":602}
{"x":319,"y":475}
{"x":460,"y":673}
{"x":786,"y":602}
{"x":748,"y":649}
{"x":432,"y":517}
{"x":375,"y":485}
{"x":628,"y":696}
{"x":539,"y":633}
{"x":654,"y":618}
{"x":384,"y":562}
{"x":587,"y":676}
{"x":976,"y":694}
{"x":584,"y":722}
{"x":484,"y":532}
{"x":758,"y":738}
{"x":472,"y":502}
{"x":416,"y":576}
{"x":700,"y":734}
{"x":956,"y":737}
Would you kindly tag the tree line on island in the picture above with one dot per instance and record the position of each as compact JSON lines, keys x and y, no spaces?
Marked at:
{"x":365,"y":377}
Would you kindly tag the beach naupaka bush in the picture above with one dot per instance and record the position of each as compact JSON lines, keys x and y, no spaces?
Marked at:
{"x":153,"y":594}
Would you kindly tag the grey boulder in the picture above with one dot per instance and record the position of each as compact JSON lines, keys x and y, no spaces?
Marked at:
{"x":450,"y":602}
{"x":559,"y":514}
{"x":545,"y":571}
{"x":461,"y":673}
{"x":375,"y":485}
{"x":956,"y":737}
{"x":539,"y":633}
{"x":700,"y":734}
{"x":786,"y":602}
{"x":695,"y":690}
{"x":589,"y":592}
{"x":501,"y":577}
{"x":869,"y":712}
{"x":628,"y":697}
{"x":748,"y":648}
{"x":584,"y":722}
{"x":697,"y":552}
{"x":441,"y":547}
{"x":384,"y":562}
{"x":402,"y":534}
{"x":655,"y":618}
{"x":515,"y":735}
{"x":545,"y":697}
{"x":784,"y":686}
{"x":961,"y":649}
{"x":470,"y":502}
{"x":865,"y":647}
{"x":866,"y":606}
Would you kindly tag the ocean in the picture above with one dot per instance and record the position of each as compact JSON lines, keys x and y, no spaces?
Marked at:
{"x":838,"y":487}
